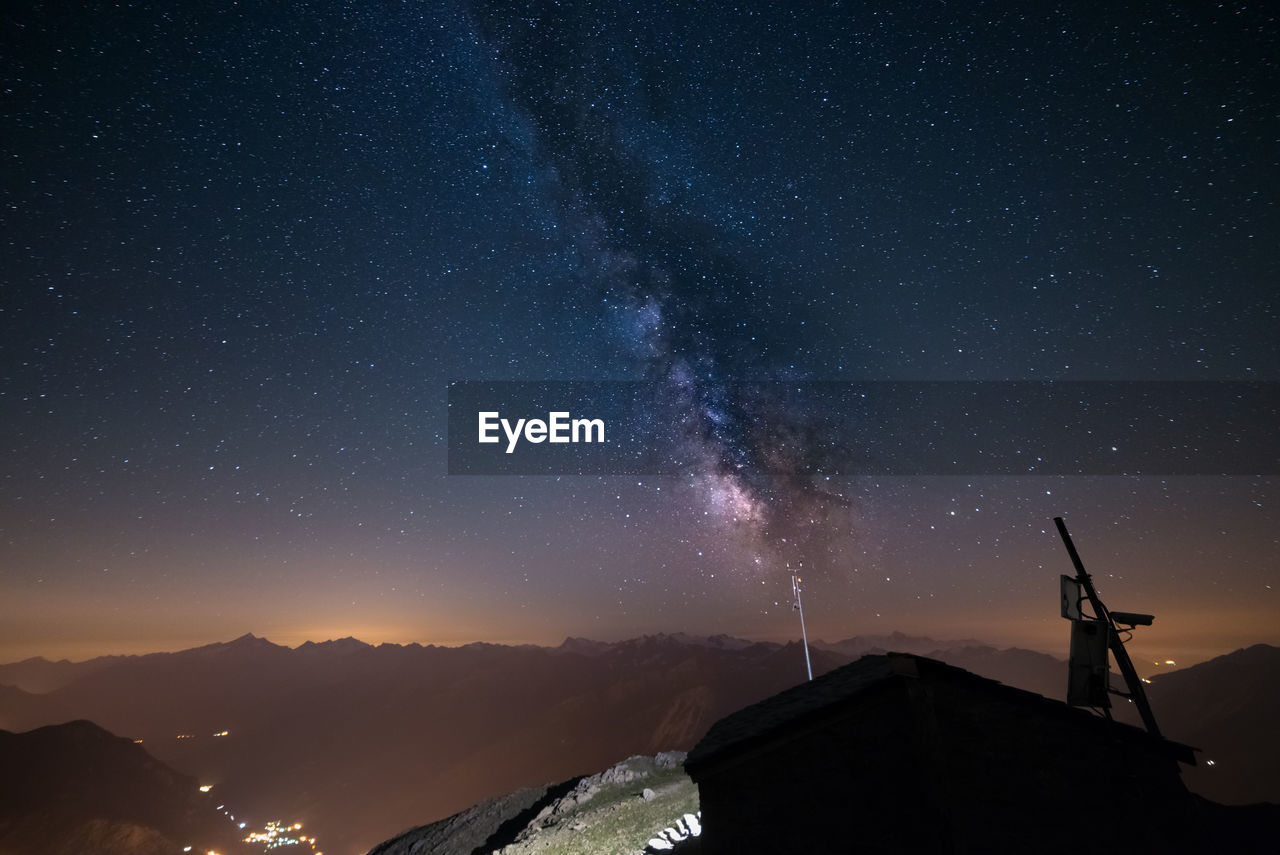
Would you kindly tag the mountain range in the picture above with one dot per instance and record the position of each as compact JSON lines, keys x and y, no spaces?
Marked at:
{"x":359,"y":741}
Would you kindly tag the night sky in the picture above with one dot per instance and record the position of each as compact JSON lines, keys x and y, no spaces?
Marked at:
{"x":248,"y":248}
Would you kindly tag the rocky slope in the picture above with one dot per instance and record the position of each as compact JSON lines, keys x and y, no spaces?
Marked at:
{"x":643,"y":804}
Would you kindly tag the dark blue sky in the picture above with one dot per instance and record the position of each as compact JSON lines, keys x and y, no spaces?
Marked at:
{"x":247,"y":250}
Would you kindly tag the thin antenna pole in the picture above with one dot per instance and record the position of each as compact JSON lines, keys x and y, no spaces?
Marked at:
{"x":795,"y":589}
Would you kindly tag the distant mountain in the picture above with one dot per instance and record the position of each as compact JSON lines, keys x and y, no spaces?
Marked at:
{"x":341,"y":646}
{"x":583,"y":646}
{"x":75,"y":788}
{"x":1229,"y":708}
{"x":1026,"y":669}
{"x":359,"y":741}
{"x":41,"y":675}
{"x":897,"y":642}
{"x":13,"y":700}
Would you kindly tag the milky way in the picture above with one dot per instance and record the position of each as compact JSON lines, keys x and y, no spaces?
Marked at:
{"x":686,"y":307}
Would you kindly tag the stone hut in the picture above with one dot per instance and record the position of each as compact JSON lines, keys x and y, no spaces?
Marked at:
{"x":904,"y":754}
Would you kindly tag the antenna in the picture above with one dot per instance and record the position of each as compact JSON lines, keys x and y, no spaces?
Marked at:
{"x":795,"y":590}
{"x":1091,"y":637}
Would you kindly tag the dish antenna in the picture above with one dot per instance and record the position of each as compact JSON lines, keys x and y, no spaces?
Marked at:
{"x":1092,"y":636}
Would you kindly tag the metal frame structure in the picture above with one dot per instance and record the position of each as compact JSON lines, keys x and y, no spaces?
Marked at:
{"x":1108,"y":621}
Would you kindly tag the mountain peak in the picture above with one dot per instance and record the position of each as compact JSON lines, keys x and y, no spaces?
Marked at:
{"x":584,"y":646}
{"x":76,"y":730}
{"x":248,"y":641}
{"x":347,"y":644}
{"x":77,"y":787}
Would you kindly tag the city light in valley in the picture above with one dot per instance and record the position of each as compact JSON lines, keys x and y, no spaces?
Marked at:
{"x":277,"y":834}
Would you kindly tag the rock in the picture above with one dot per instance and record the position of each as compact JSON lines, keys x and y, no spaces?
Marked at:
{"x":694,"y":824}
{"x":669,"y":759}
{"x":648,"y":795}
{"x":619,"y":774}
{"x":658,"y":844}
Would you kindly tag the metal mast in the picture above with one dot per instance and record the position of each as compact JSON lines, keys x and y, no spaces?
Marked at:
{"x":795,"y":590}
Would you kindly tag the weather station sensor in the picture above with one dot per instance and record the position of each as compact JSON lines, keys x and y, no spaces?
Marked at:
{"x":1132,"y":619}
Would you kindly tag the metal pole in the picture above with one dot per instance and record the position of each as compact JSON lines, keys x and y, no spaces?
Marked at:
{"x":795,"y":589}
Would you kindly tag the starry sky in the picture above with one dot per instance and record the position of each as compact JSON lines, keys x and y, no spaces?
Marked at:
{"x":249,"y":247}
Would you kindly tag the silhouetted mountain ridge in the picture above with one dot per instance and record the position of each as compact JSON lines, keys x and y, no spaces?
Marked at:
{"x":1223,"y":706}
{"x":41,"y":675}
{"x":860,"y":645}
{"x":339,"y":646}
{"x":358,"y":741}
{"x":74,"y":787}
